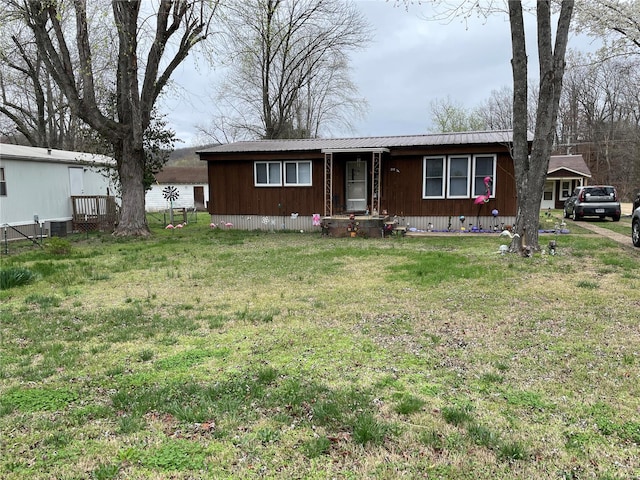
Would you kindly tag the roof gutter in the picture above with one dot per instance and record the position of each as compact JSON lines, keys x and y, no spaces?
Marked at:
{"x":355,"y":150}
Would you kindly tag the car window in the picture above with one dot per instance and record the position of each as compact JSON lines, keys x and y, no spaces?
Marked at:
{"x":599,"y":191}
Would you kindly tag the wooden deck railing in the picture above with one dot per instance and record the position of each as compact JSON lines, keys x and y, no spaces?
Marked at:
{"x":94,"y":212}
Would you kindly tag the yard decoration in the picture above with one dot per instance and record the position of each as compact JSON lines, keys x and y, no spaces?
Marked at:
{"x":170,"y":193}
{"x":481,"y":199}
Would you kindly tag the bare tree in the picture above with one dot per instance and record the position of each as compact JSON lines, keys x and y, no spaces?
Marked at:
{"x":289,"y":76}
{"x":493,"y":113}
{"x":146,"y":55}
{"x":599,"y":116}
{"x":31,"y":102}
{"x":496,"y":112}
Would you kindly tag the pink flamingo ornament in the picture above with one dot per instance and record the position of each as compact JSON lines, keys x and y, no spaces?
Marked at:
{"x":480,"y":199}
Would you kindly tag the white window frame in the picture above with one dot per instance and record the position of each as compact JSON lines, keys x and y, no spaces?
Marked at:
{"x":493,"y":175}
{"x":449,"y":177}
{"x":568,"y":190}
{"x":297,"y":183}
{"x":268,"y":183}
{"x":442,"y":158}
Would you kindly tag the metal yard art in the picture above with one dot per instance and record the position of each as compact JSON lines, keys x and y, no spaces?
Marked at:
{"x":171,"y":194}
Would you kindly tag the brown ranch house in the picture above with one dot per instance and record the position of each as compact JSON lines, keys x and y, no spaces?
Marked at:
{"x":424,"y":182}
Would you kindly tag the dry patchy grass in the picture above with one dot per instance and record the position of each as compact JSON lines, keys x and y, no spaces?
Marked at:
{"x":203,"y":354}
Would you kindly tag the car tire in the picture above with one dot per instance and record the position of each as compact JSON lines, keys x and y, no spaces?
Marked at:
{"x":574,"y":216}
{"x":566,"y":214}
{"x":616,"y":218}
{"x":635,"y":233}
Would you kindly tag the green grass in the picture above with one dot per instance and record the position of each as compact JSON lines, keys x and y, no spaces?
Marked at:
{"x":15,"y":277}
{"x":228,"y":354}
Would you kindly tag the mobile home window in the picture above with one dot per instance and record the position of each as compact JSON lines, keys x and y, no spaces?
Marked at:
{"x":3,"y":184}
{"x":565,"y":191}
{"x":297,"y":173}
{"x":458,"y":176}
{"x":433,"y":184}
{"x":483,"y":166}
{"x":267,"y":174}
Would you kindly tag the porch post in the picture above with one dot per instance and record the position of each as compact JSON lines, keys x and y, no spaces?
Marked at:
{"x":376,"y":187}
{"x":328,"y":184}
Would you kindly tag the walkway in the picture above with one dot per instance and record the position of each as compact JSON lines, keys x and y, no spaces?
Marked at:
{"x":605,"y":232}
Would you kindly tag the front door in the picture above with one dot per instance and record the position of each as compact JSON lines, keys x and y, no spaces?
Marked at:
{"x":76,"y":181}
{"x":356,"y":191}
{"x":548,"y":195}
{"x":198,"y":198}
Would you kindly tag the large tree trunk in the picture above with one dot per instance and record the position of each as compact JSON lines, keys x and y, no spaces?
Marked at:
{"x":531,"y":167}
{"x":133,"y":220}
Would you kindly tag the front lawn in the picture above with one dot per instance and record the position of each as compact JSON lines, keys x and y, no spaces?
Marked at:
{"x":223,"y":354}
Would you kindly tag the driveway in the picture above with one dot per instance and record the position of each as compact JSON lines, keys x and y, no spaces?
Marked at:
{"x":592,"y":225}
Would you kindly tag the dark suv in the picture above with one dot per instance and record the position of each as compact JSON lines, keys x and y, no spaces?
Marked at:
{"x":593,"y":201}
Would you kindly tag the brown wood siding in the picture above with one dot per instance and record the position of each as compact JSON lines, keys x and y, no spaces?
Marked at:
{"x":232,"y":190}
{"x":402,"y":192}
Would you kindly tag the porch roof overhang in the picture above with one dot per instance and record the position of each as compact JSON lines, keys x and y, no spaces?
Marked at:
{"x":558,"y":173}
{"x":355,"y":150}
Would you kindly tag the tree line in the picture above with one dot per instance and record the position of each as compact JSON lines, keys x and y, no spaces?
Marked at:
{"x":598,"y":116}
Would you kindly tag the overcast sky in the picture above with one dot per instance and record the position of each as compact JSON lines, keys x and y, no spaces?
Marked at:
{"x":410,"y":63}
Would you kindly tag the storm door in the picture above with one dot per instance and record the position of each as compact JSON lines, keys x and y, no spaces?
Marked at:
{"x":76,"y":181}
{"x":356,"y":193}
{"x":548,"y":195}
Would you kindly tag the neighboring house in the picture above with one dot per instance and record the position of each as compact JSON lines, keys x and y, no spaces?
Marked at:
{"x":189,"y":182}
{"x":565,"y":173}
{"x":424,"y":181}
{"x":37,"y":186}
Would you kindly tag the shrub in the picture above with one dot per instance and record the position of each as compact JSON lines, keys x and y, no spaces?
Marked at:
{"x":58,"y":246}
{"x":15,"y":277}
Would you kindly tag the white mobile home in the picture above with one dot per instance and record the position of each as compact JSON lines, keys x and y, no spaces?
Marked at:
{"x":37,"y":186}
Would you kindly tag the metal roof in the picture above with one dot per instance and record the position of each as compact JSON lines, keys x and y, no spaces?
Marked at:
{"x":363,"y":143}
{"x":41,"y":154}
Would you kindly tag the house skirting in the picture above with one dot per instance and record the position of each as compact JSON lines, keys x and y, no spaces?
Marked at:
{"x":305,"y":223}
{"x":34,"y":231}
